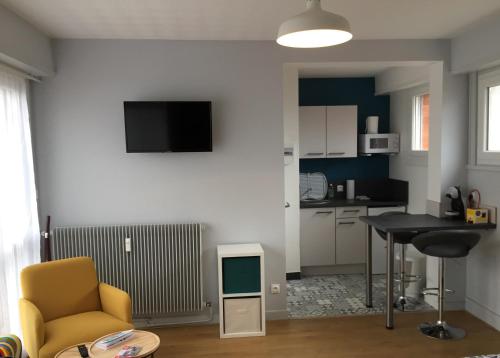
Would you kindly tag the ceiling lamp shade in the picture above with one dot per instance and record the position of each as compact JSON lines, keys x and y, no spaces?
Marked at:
{"x":314,"y":28}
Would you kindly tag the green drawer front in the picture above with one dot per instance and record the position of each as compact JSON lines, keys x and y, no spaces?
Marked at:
{"x":241,"y":274}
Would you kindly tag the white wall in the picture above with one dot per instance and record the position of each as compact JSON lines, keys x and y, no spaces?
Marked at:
{"x":85,"y":176}
{"x":447,"y":155}
{"x":408,"y":165}
{"x":23,"y":46}
{"x":292,"y":195}
{"x":473,"y":50}
{"x":477,"y":47}
{"x":483,"y":263}
{"x":400,"y":78}
{"x":446,"y":162}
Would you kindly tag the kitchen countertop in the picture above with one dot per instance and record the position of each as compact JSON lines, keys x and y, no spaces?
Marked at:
{"x":345,"y":202}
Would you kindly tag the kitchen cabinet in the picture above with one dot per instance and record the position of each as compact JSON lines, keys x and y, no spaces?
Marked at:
{"x":341,"y":131}
{"x":332,"y":236}
{"x":350,"y":212}
{"x":328,"y":131}
{"x":317,"y":237}
{"x":350,"y":234}
{"x":350,"y":241}
{"x":312,"y":136}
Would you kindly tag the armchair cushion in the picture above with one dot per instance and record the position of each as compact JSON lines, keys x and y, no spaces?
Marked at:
{"x":83,"y":327}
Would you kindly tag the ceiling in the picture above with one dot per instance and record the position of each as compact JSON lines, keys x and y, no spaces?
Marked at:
{"x":244,"y":19}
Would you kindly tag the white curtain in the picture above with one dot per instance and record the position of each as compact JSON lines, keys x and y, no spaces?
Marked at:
{"x":19,"y":229}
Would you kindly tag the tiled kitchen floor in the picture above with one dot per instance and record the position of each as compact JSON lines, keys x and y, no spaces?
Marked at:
{"x":336,"y":295}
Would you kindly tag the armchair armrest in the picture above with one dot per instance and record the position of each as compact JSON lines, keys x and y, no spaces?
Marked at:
{"x":115,"y":302}
{"x":33,"y":327}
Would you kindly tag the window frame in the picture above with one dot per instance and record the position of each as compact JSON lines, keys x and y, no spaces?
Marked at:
{"x":416,"y":97}
{"x":485,"y":79}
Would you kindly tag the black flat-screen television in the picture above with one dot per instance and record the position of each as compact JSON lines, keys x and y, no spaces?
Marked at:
{"x":174,"y":126}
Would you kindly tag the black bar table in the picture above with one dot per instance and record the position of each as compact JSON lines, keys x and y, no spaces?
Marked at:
{"x":403,"y":223}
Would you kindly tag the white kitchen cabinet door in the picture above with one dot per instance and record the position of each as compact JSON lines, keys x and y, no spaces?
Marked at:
{"x":312,"y":132}
{"x":317,"y":237}
{"x":350,"y":240}
{"x":341,"y":131}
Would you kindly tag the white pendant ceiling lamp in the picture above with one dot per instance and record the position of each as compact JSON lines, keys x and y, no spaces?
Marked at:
{"x":314,"y":28}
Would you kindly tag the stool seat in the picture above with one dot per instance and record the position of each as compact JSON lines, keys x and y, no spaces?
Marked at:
{"x":449,"y":244}
{"x":403,"y":238}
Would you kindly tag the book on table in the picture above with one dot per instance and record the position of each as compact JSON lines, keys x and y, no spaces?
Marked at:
{"x":113,"y":340}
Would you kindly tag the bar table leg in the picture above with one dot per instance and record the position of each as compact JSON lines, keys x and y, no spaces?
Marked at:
{"x":368,"y":267}
{"x":389,"y":294}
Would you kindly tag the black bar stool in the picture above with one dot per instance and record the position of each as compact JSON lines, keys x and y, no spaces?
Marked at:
{"x":402,"y":303}
{"x":444,"y":244}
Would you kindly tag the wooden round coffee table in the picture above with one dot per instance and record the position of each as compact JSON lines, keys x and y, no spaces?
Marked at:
{"x":71,"y":352}
{"x":149,"y":343}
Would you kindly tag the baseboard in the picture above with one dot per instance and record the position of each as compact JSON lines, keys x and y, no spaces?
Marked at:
{"x":293,"y":276}
{"x":332,"y":270}
{"x":207,"y":316}
{"x":276,"y":315}
{"x":449,"y":305}
{"x":482,"y":312}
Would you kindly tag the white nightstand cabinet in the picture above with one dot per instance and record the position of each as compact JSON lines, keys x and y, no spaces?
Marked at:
{"x":242,"y":306}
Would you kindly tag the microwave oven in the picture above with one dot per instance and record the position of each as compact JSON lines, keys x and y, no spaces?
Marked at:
{"x":378,"y":143}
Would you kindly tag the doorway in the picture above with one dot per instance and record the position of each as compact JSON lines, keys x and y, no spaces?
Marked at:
{"x":336,"y":290}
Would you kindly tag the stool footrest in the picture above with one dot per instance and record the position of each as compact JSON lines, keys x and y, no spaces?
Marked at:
{"x":430,"y":294}
{"x":428,"y":291}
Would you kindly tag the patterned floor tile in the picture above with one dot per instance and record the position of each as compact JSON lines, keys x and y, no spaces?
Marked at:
{"x":336,"y":295}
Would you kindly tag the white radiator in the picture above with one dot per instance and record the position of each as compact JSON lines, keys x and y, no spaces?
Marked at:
{"x":162,"y":272}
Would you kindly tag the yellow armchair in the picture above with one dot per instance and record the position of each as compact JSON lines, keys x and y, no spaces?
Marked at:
{"x":63,"y":304}
{"x":115,"y":302}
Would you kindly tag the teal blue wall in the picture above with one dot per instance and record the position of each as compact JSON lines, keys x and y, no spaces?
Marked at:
{"x":347,"y":91}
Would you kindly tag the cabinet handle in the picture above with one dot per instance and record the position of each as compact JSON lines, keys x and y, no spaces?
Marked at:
{"x":351,"y":211}
{"x":346,"y":223}
{"x":336,"y":153}
{"x":324,"y":212}
{"x":315,"y":153}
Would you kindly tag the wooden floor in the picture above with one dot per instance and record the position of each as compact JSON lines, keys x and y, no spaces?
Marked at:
{"x":354,"y":336}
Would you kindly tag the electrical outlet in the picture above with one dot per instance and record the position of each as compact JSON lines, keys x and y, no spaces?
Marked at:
{"x":275,"y":288}
{"x":128,"y":244}
{"x":340,"y":188}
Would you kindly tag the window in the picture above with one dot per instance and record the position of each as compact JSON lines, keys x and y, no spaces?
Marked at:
{"x":420,"y":129}
{"x":493,"y":142}
{"x":19,"y":235}
{"x":488,"y":117}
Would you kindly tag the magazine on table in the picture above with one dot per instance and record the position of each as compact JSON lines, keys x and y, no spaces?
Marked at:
{"x":128,"y":351}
